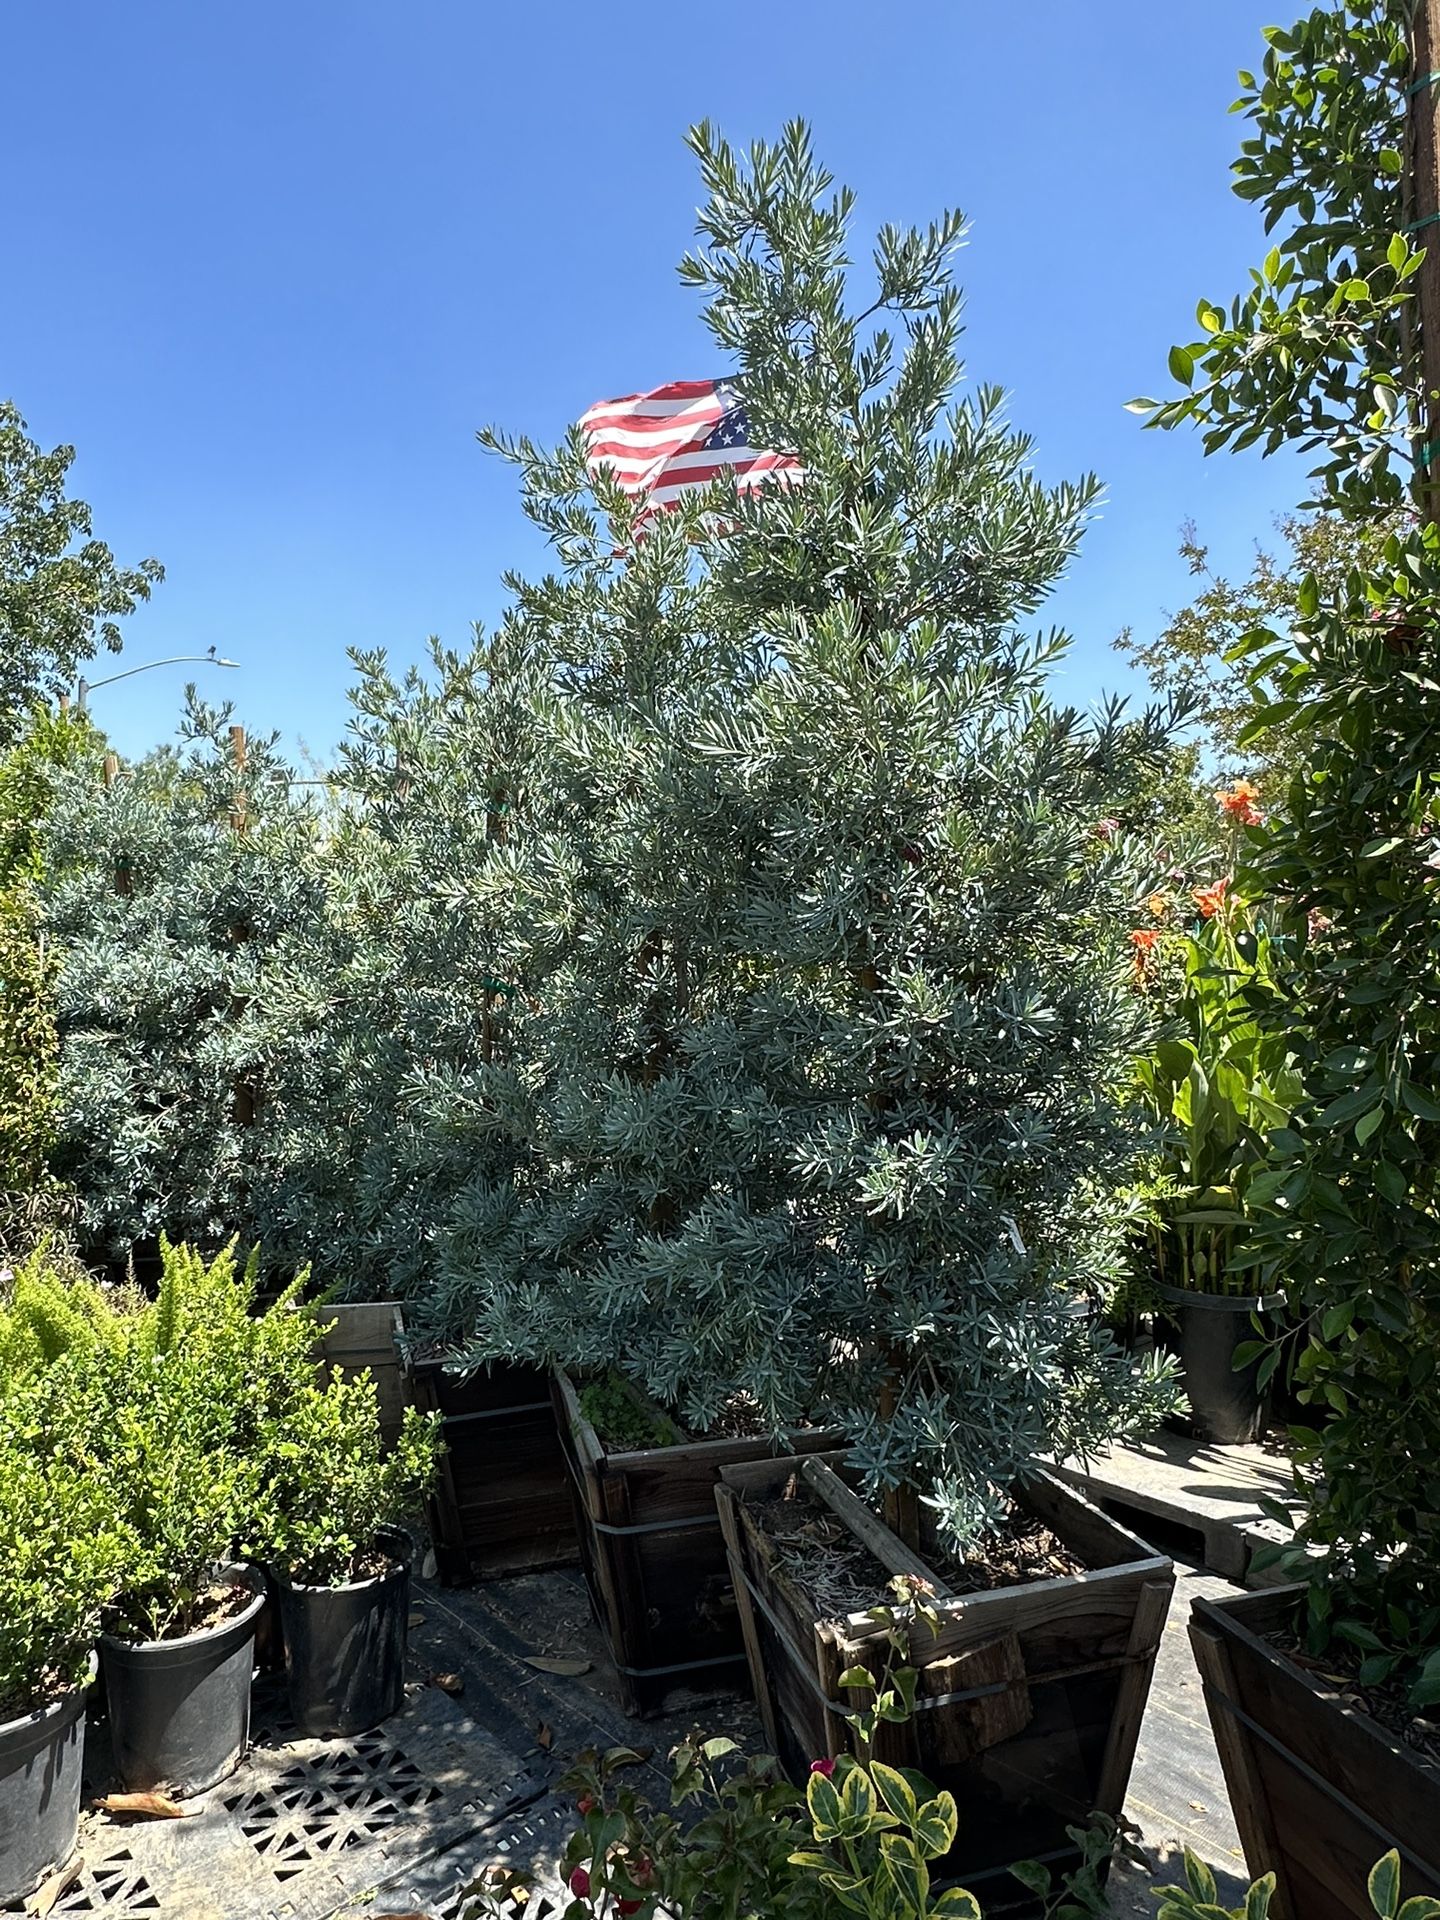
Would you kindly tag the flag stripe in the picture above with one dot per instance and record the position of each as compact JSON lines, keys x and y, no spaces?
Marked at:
{"x":686,"y":434}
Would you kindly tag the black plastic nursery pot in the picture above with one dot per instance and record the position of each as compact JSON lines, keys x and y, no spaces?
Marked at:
{"x":345,"y":1646}
{"x":40,"y":1760}
{"x":179,"y":1710}
{"x":1227,"y":1405}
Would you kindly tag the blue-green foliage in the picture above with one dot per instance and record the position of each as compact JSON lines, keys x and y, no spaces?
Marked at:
{"x":827,"y":930}
{"x":722,"y":969}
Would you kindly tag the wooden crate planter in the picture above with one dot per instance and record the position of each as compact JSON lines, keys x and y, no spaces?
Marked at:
{"x":367,"y":1334}
{"x":653,"y":1556}
{"x":1029,"y":1699}
{"x":1319,"y":1789}
{"x":502,"y":1502}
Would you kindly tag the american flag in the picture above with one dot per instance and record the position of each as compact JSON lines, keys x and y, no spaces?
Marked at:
{"x":684,"y":435}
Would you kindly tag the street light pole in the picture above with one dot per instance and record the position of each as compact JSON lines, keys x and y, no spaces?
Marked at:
{"x":84,"y":688}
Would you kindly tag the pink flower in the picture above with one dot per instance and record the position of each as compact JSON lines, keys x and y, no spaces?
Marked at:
{"x":827,"y":1767}
{"x":580,"y":1883}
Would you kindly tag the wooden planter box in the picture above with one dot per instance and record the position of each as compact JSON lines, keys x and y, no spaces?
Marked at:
{"x":501,"y":1504}
{"x":1037,"y":1690}
{"x":1320,"y":1791}
{"x":653,"y":1555}
{"x":367,"y":1334}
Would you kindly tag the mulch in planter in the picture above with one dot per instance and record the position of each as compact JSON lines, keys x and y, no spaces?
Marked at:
{"x":1029,"y":1697}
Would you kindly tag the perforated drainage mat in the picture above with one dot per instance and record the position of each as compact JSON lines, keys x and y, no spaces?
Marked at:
{"x":308,"y":1826}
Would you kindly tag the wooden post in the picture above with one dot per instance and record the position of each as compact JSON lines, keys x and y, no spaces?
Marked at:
{"x":1424,"y":225}
{"x":237,"y":750}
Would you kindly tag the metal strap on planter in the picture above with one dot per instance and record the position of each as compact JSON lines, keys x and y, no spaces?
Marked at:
{"x":931,"y":1701}
{"x":1307,"y":1773}
{"x":634,"y":1527}
{"x":680,"y":1666}
{"x":492,"y":1413}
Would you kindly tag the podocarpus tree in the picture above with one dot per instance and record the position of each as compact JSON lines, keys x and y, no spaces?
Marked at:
{"x":1324,"y":350}
{"x":829,"y":925}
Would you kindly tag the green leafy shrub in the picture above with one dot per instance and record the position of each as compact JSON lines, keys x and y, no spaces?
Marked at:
{"x":1214,"y":1086}
{"x":621,"y":1419}
{"x":1328,"y":347}
{"x":327,"y":1485}
{"x":63,"y":1550}
{"x":50,"y":1306}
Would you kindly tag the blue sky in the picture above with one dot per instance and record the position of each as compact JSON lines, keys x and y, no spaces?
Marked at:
{"x":271,"y":266}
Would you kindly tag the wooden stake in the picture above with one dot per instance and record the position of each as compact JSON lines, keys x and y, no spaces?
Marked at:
{"x":1424,"y":223}
{"x":237,"y":750}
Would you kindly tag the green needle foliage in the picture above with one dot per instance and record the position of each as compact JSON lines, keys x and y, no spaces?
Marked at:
{"x":1325,"y":351}
{"x":826,"y":918}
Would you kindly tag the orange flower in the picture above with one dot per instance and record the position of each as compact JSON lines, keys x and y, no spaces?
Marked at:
{"x":1210,"y":899}
{"x":1239,"y":803}
{"x":1158,"y":905}
{"x":1143,"y":939}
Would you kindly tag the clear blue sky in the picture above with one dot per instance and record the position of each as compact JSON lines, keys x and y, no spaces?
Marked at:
{"x":269,"y":267}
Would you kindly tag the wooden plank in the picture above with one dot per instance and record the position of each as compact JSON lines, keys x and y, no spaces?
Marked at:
{"x":1095,"y":1536}
{"x":1134,"y":1691}
{"x":1377,"y":1792}
{"x":888,"y":1548}
{"x":726,"y":1503}
{"x":1213,"y":1492}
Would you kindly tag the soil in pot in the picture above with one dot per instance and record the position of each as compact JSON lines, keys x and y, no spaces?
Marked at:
{"x":1227,"y":1406}
{"x":839,"y":1575}
{"x":345,"y":1645}
{"x":41,"y":1755}
{"x":1029,"y":1696}
{"x":179,"y":1710}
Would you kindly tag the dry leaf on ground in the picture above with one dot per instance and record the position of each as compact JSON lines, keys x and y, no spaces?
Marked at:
{"x":156,"y":1806}
{"x":49,"y":1891}
{"x":543,"y":1663}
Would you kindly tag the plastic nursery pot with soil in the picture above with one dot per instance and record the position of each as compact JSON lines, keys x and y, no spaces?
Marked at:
{"x":1029,"y":1696}
{"x":1227,"y":1405}
{"x":650,"y":1544}
{"x":345,"y":1645}
{"x":41,"y":1756}
{"x":1319,"y":1786}
{"x":179,"y":1710}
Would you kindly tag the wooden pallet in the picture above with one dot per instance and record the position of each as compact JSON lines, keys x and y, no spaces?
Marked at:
{"x":1210,"y":1493}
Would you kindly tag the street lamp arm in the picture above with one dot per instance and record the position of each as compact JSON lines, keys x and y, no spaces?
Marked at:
{"x":171,"y":660}
{"x":86,"y":687}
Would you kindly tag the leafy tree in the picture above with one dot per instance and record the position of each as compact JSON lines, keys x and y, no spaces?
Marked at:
{"x":1324,"y":350}
{"x":1196,"y":658}
{"x":827,"y":913}
{"x":62,"y":595}
{"x":29,"y":1042}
